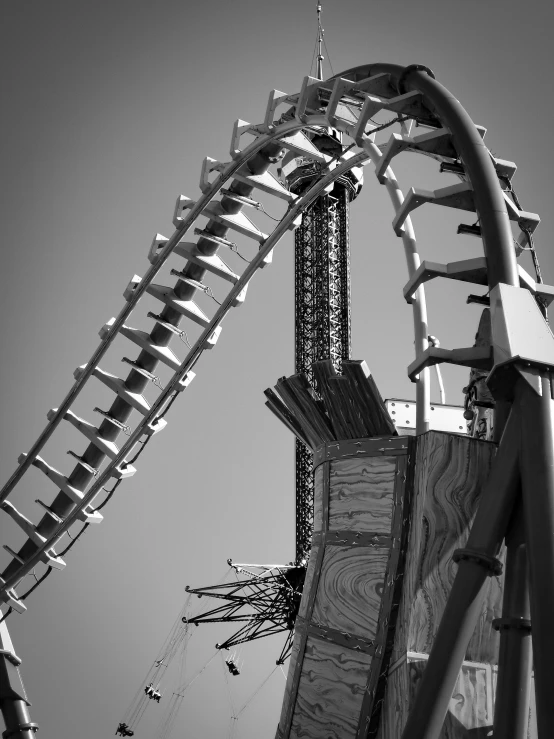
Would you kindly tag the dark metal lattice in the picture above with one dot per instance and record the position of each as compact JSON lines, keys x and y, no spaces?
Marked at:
{"x":265,"y":602}
{"x":321,"y":321}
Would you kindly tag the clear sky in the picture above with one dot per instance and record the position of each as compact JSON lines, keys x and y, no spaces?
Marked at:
{"x":109,"y":108}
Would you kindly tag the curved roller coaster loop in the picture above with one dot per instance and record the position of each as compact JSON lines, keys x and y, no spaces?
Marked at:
{"x":349,"y":104}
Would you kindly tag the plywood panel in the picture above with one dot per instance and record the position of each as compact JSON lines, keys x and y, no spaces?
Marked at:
{"x":350,"y":589}
{"x":318,"y":497}
{"x":293,"y":661}
{"x":308,"y":582}
{"x":331,"y":691}
{"x":360,"y":495}
{"x":450,"y":471}
{"x":470,"y":712}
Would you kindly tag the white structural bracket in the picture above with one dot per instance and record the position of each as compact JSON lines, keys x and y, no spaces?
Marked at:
{"x":308,"y":100}
{"x":239,"y":127}
{"x":473,"y":356}
{"x":470,"y":270}
{"x":62,"y":483}
{"x":156,"y":247}
{"x":50,"y":557}
{"x":437,"y":142}
{"x":11,"y":598}
{"x":276,"y":97}
{"x":455,"y":196}
{"x":523,"y":342}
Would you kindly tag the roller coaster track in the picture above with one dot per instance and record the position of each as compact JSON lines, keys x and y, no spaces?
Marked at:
{"x":352,"y":100}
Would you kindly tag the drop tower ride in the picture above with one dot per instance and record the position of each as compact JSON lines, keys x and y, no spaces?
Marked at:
{"x":321,"y":283}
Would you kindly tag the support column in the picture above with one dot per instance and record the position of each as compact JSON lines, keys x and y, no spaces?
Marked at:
{"x":13,"y":699}
{"x":537,"y":473}
{"x":511,"y":710}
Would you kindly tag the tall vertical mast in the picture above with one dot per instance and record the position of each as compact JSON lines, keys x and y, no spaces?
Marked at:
{"x":320,"y":57}
{"x":322,"y":289}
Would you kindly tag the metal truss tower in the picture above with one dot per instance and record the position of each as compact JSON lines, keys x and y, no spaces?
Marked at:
{"x":321,"y":321}
{"x":322,"y":300}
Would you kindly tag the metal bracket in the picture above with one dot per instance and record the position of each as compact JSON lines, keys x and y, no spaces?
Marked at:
{"x":438,"y":143}
{"x":454,"y":196}
{"x":491,"y":564}
{"x":308,"y":100}
{"x":523,"y":342}
{"x":473,"y":271}
{"x":21,"y":727}
{"x":13,"y":658}
{"x":516,"y":622}
{"x":468,"y":270}
{"x":479,"y":357}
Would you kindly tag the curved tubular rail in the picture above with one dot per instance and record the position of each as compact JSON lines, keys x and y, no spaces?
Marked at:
{"x":125,"y":312}
{"x":266,"y":134}
{"x":423,"y":395}
{"x":193,"y":355}
{"x":489,"y":200}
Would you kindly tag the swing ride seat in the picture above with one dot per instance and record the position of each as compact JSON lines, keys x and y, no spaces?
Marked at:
{"x":232,"y":667}
{"x":124,"y":730}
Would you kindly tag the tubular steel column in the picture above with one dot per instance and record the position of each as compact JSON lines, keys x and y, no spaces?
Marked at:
{"x":513,"y":688}
{"x":13,"y":699}
{"x":322,"y":319}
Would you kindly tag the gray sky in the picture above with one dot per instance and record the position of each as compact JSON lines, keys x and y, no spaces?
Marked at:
{"x":110,"y":107}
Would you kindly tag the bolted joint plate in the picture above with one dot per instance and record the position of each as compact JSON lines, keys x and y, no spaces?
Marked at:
{"x":522,"y":341}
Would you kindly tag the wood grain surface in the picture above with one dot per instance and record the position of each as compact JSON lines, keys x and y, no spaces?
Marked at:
{"x":350,"y":588}
{"x":470,"y":712}
{"x":450,"y":471}
{"x":331,"y":690}
{"x":361,"y":494}
{"x":318,"y":498}
{"x":308,"y":582}
{"x":294,"y":656}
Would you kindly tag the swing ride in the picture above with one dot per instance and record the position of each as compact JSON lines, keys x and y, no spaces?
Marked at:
{"x":363,"y":625}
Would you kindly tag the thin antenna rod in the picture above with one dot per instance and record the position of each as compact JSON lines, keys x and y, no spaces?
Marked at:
{"x":320,"y":56}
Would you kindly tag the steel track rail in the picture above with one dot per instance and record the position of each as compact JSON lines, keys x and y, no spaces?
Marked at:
{"x":355,"y":85}
{"x":192,"y":357}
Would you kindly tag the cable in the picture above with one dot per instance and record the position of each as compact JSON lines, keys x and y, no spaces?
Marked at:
{"x":255,"y":693}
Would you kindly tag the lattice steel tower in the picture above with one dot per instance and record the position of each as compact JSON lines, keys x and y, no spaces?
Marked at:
{"x":322,"y":293}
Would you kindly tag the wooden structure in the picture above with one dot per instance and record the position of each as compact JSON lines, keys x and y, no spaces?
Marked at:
{"x":389,"y":513}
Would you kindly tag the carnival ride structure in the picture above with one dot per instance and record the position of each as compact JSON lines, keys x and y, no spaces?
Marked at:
{"x":518,"y":359}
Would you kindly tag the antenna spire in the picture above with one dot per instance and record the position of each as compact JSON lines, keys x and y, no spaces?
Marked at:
{"x":320,"y":56}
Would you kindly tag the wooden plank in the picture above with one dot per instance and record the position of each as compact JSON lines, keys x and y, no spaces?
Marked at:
{"x":293,"y":661}
{"x":303,"y":392}
{"x":341,"y":389}
{"x":331,"y":691}
{"x":356,"y":448}
{"x":450,"y":471}
{"x":318,"y":498}
{"x":297,"y":411}
{"x":368,"y":396}
{"x":323,"y":373}
{"x":372,"y":705}
{"x":309,"y":581}
{"x":350,"y":586}
{"x":279,"y":409}
{"x":323,"y":369}
{"x":361,"y":494}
